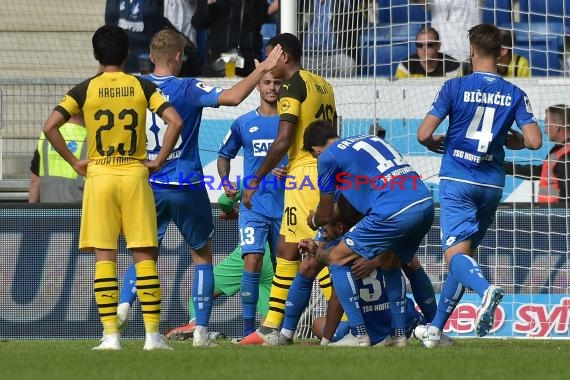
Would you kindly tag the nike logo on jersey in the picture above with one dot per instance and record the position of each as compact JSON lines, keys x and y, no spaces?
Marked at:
{"x":253,"y":129}
{"x":261,"y":147}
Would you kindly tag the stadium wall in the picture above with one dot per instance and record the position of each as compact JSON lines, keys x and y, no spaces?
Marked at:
{"x":46,"y":283}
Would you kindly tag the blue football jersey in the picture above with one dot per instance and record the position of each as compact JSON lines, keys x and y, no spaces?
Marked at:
{"x":371,"y":174}
{"x":375,"y":307}
{"x":481,"y":108}
{"x":255,"y":133}
{"x":188,"y":96}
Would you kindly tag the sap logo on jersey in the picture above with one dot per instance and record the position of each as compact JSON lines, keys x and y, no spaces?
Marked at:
{"x":261,"y":147}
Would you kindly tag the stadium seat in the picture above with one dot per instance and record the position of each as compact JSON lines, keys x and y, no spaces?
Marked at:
{"x":498,"y":12}
{"x":268,"y":30}
{"x":400,"y":12}
{"x":386,"y":61}
{"x":542,"y":11}
{"x":541,"y":43}
{"x":385,"y":35}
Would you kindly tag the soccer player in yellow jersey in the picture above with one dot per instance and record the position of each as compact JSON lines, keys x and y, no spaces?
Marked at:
{"x":117,"y":197}
{"x":303,"y":98}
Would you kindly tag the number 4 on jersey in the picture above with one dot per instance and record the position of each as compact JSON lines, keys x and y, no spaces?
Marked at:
{"x":483,"y":116}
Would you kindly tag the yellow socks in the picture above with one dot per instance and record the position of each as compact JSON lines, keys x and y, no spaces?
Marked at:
{"x":149,"y":294}
{"x":285,"y":272}
{"x":106,"y":294}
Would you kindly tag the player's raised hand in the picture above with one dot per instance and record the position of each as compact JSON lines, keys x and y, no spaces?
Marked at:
{"x":81,"y":167}
{"x":436,"y":144}
{"x":271,"y":60}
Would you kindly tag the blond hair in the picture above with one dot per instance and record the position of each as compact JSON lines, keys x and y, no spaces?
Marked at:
{"x":166,"y":44}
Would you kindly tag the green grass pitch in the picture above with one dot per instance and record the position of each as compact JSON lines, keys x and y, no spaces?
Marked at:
{"x":468,"y":359}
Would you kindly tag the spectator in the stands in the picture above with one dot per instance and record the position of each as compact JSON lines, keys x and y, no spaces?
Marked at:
{"x":428,"y":61}
{"x":142,"y":19}
{"x":453,"y":18}
{"x":552,"y":174}
{"x":234,"y":27}
{"x":509,"y":63}
{"x":331,"y":40}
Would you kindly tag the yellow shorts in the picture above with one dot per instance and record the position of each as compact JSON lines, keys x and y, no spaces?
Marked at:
{"x":301,"y":196}
{"x":118,"y":203}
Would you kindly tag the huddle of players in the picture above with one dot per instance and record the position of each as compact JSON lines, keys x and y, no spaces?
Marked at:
{"x":365,"y":260}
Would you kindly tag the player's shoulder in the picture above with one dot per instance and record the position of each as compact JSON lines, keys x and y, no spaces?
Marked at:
{"x":246,"y":118}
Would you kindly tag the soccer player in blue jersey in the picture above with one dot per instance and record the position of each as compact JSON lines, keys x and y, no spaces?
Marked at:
{"x":398,"y":212}
{"x":481,"y":108}
{"x":368,"y":280}
{"x":255,"y":132}
{"x":179,"y":193}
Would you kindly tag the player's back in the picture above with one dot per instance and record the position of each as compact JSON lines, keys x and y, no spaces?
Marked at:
{"x":481,"y":108}
{"x":188,"y":96}
{"x":114,"y":107}
{"x":304,"y":98}
{"x":371,"y":174}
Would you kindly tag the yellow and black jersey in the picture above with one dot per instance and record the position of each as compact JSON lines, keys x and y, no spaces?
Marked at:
{"x":446,"y":67}
{"x":304,"y":98}
{"x":114,"y":106}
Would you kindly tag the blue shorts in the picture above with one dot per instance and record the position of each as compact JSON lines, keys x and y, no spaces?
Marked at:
{"x":379,"y":328}
{"x":466,"y":212}
{"x":191,"y":212}
{"x":401,"y":233}
{"x":255,"y":230}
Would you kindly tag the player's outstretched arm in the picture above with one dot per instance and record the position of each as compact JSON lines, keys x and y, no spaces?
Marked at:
{"x":532,"y":136}
{"x":426,"y":135}
{"x":173,"y":129}
{"x":241,"y":90}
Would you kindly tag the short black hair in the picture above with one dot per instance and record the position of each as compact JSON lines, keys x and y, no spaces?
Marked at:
{"x":317,"y":134}
{"x":487,"y":39}
{"x":290,"y":45}
{"x":110,"y":45}
{"x":428,"y":30}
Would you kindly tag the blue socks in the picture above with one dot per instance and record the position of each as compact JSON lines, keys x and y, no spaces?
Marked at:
{"x":346,"y":291}
{"x":396,"y":292}
{"x":423,"y":292}
{"x":451,"y":294}
{"x":203,"y":292}
{"x":129,"y":288}
{"x":249,"y":295}
{"x":466,"y":270}
{"x":297,"y":300}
